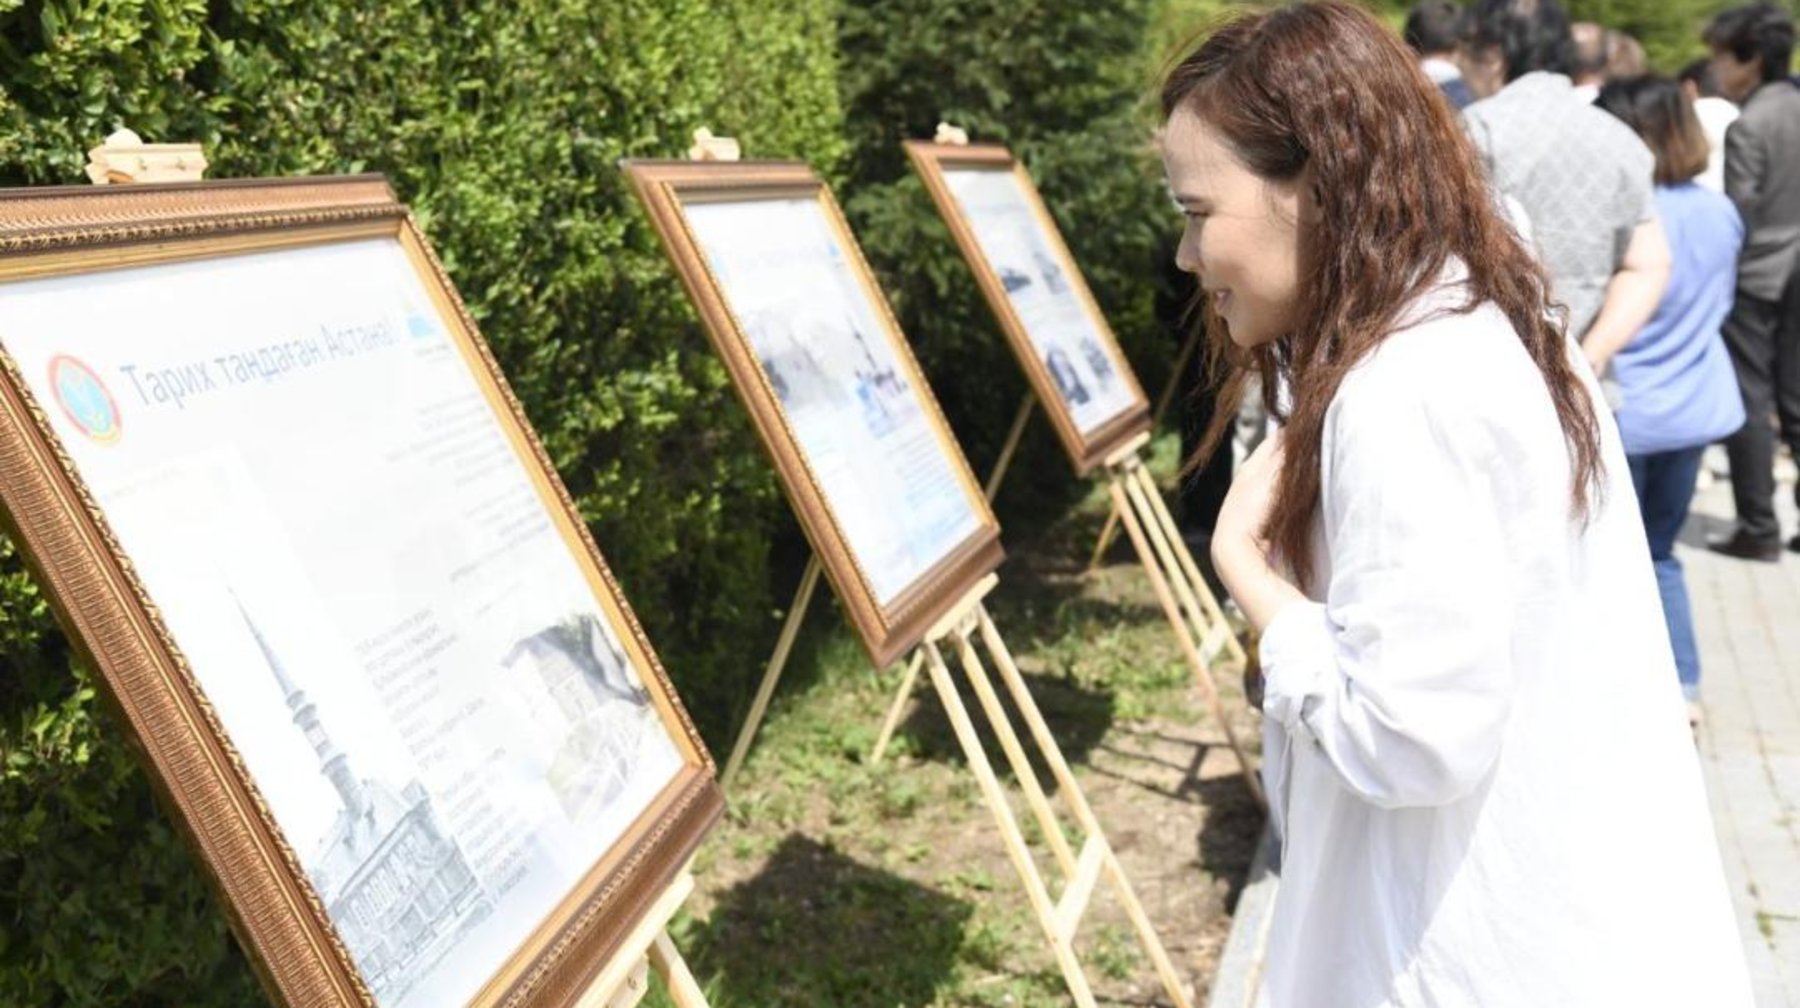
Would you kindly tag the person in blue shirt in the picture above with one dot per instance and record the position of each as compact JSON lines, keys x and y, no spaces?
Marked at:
{"x":1678,"y":390}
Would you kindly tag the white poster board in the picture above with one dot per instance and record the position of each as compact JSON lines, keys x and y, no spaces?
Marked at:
{"x":372,"y":592}
{"x":891,"y":483}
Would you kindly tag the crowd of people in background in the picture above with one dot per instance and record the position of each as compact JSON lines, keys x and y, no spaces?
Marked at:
{"x":1667,"y":213}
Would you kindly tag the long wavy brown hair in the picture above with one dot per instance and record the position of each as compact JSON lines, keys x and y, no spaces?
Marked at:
{"x":1323,"y":85}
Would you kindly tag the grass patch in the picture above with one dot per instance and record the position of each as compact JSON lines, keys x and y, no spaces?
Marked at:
{"x":836,"y":881}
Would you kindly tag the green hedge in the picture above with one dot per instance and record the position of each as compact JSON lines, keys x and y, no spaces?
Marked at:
{"x":1064,"y":84}
{"x":501,"y":125}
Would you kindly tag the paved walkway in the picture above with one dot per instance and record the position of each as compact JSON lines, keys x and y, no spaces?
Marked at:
{"x":1747,"y":618}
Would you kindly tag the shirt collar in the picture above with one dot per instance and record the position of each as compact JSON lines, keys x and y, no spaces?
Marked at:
{"x":1439,"y":70}
{"x":1446,"y":293}
{"x":1540,"y":84}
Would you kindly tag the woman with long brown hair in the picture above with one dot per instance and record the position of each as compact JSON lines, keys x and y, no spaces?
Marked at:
{"x":1484,"y":795}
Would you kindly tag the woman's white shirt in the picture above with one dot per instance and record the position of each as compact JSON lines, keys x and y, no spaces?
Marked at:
{"x":1716,"y":116}
{"x":1474,"y":738}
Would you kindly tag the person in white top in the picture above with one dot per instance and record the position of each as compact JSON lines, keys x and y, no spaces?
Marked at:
{"x":1715,"y":112}
{"x":1477,"y":757}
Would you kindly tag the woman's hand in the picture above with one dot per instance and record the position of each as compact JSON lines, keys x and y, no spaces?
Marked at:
{"x":1239,"y":551}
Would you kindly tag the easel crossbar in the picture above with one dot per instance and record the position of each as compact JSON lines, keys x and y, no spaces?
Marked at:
{"x":1073,"y":903}
{"x":1060,"y":919}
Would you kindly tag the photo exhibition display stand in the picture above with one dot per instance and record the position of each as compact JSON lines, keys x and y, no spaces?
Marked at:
{"x":1202,"y":632}
{"x":1082,"y":381}
{"x":299,"y":394}
{"x":838,"y":399}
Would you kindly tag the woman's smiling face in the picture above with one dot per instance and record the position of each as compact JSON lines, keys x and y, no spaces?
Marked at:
{"x":1242,"y":240}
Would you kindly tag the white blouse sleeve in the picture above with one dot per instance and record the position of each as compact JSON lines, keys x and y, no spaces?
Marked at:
{"x":1403,"y":677}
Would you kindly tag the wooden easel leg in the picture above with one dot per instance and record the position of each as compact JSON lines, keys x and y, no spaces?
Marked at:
{"x":784,"y":645}
{"x":1108,"y":532}
{"x":1010,"y":836}
{"x":1219,"y":626}
{"x":1097,"y":851}
{"x":1182,"y":359}
{"x":898,"y":707}
{"x":1015,"y":754}
{"x":683,"y":989}
{"x":1184,"y":637}
{"x":623,"y":981}
{"x":1198,"y":622}
{"x":1013,"y":437}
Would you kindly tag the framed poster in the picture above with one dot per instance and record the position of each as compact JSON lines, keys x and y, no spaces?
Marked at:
{"x":864,"y":453}
{"x":285,"y":502}
{"x":1033,"y":285}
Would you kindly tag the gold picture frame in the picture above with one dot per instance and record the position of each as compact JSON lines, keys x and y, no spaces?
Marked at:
{"x":57,"y":239}
{"x":1086,"y":447}
{"x":676,"y":193}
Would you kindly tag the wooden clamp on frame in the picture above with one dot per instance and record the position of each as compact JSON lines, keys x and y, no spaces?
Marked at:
{"x":123,"y":157}
{"x":625,"y":980}
{"x":1081,"y":870}
{"x":713,"y":148}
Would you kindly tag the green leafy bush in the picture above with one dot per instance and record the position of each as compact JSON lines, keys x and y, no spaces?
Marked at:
{"x":1064,"y":84}
{"x":501,"y":124}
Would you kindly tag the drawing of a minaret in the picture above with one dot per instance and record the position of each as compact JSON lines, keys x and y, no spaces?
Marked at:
{"x":332,"y":762}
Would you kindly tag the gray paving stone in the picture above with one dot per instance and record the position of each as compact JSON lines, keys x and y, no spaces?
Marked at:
{"x":1747,"y":623}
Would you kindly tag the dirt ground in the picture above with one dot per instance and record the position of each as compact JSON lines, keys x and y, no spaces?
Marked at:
{"x":837,"y":881}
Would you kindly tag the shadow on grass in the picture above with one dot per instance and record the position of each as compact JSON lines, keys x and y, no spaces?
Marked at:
{"x":1233,"y":828}
{"x":1078,"y":718}
{"x":815,"y":927}
{"x":1227,"y":839}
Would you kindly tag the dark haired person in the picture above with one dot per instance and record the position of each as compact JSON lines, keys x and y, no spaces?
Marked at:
{"x":1583,"y":177}
{"x":1752,"y":47}
{"x":1480,"y":770}
{"x":1587,"y":68}
{"x":1678,"y":391}
{"x":1433,"y":29}
{"x":1716,"y":114}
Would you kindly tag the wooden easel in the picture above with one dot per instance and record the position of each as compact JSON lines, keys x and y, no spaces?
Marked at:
{"x":1201,"y":629}
{"x":1194,"y":613}
{"x":1193,"y":610}
{"x":796,"y":614}
{"x":1081,"y":871}
{"x":626,"y":979}
{"x":1183,"y":358}
{"x":124,"y":159}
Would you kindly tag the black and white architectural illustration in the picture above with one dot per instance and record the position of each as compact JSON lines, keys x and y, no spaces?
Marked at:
{"x":396,"y":887}
{"x":600,"y":710}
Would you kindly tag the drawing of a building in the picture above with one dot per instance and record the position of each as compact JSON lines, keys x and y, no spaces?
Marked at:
{"x":601,"y":712}
{"x":396,"y":887}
